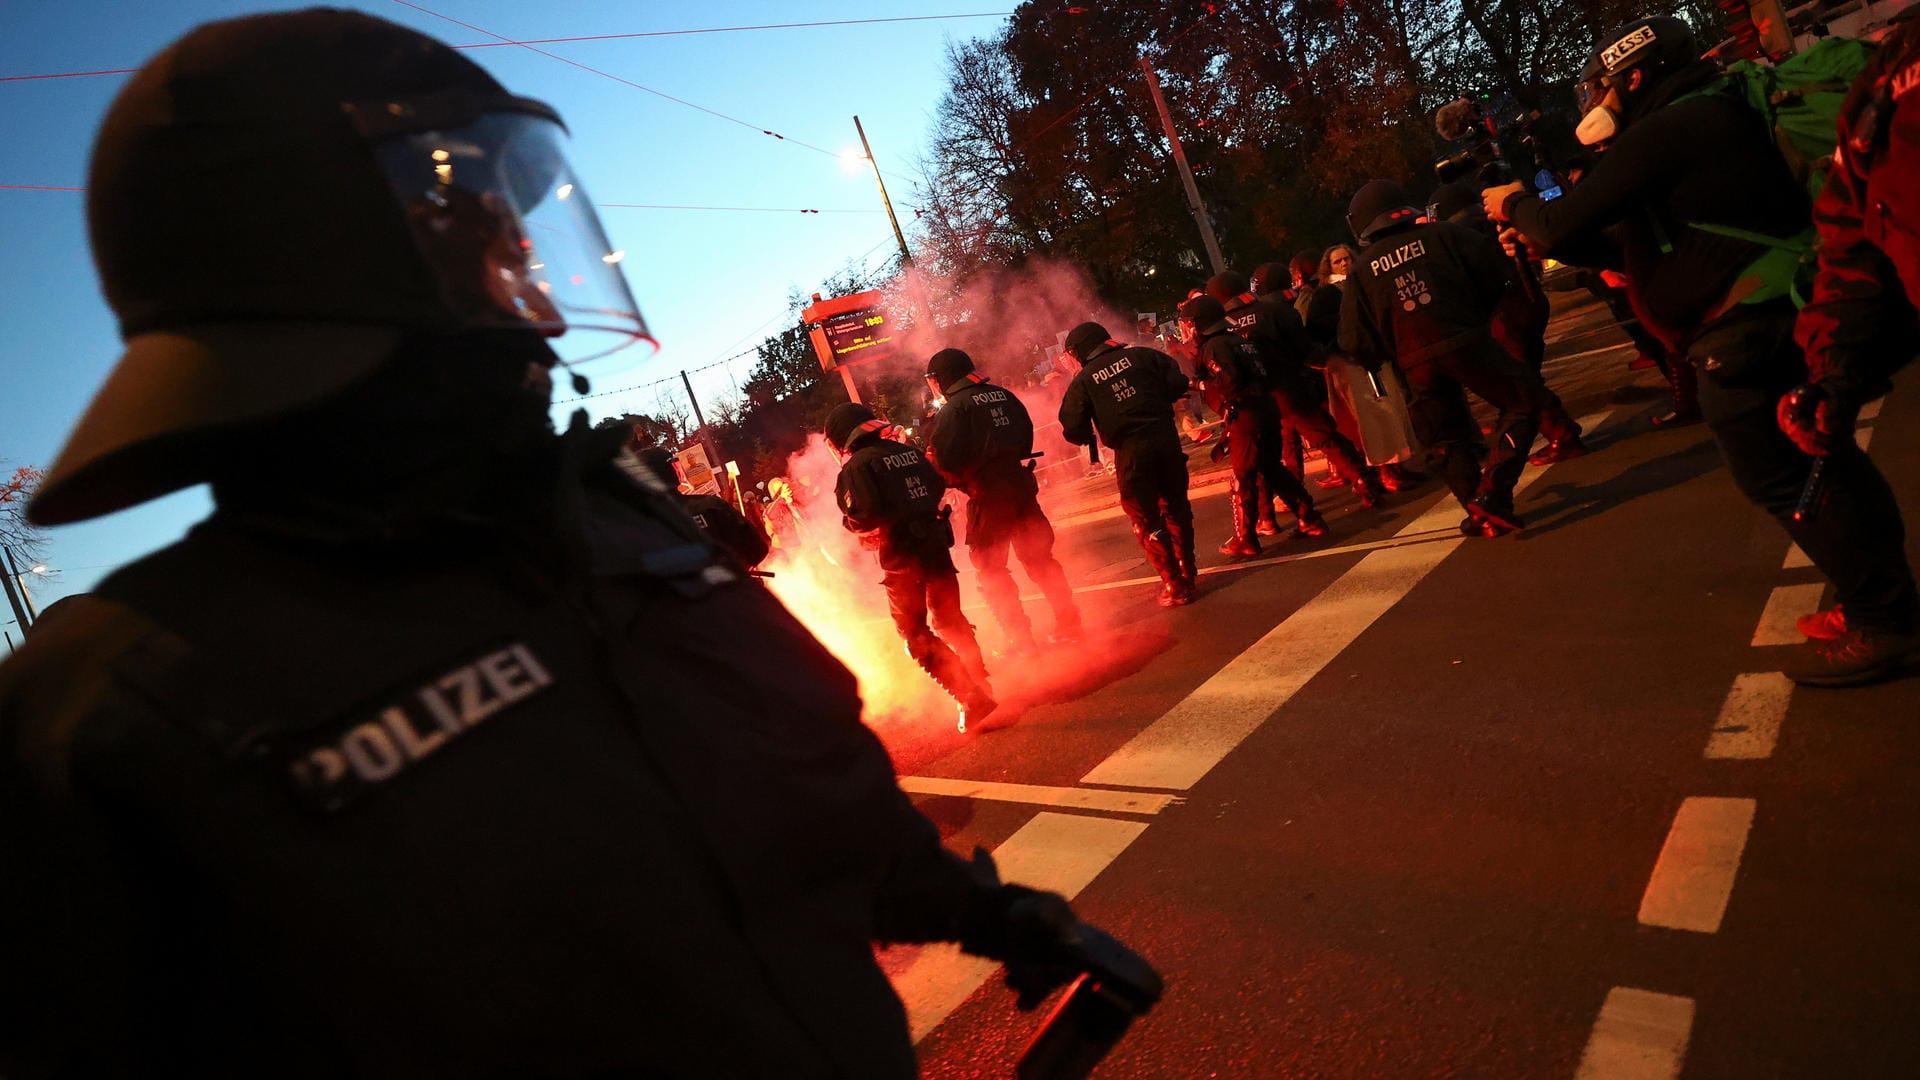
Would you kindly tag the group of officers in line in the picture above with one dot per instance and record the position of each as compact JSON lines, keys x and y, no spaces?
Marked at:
{"x":546,"y":776}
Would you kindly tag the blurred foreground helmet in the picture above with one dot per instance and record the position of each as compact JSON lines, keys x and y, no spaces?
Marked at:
{"x":847,"y":420}
{"x":274,"y":200}
{"x":1378,"y":207}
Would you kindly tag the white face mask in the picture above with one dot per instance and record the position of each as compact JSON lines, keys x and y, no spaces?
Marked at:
{"x":1599,"y":125}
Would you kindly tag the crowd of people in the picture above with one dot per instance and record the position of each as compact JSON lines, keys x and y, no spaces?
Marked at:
{"x":397,"y":777}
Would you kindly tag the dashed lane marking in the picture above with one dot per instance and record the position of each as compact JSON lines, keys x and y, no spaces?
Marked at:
{"x":1178,"y":749}
{"x":1795,"y":558}
{"x":1121,"y":802}
{"x":1062,"y":852}
{"x":1693,"y":879}
{"x":1871,"y":409}
{"x":1784,"y":607}
{"x":1750,"y":718}
{"x":1864,"y":438}
{"x":1065,"y":852}
{"x":1640,"y":1035}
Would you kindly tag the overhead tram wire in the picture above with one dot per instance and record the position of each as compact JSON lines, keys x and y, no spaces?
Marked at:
{"x":604,"y":205}
{"x":606,"y":37}
{"x":505,"y":40}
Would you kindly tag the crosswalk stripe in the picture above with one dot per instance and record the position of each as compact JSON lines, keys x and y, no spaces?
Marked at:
{"x":1073,"y":798}
{"x":1640,"y":1035}
{"x":1749,"y":722}
{"x":1784,"y":607}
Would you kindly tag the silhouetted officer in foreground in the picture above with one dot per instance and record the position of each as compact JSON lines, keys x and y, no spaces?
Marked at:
{"x":443,"y":747}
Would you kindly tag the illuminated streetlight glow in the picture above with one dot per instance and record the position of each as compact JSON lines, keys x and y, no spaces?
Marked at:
{"x":612,"y":257}
{"x":564,"y":191}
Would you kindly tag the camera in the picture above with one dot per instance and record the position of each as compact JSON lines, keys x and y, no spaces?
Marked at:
{"x":1499,"y":152}
{"x":1115,"y":987}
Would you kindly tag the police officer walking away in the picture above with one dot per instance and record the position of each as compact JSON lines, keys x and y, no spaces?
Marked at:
{"x":1231,"y":375}
{"x":1286,"y":354}
{"x":889,"y":495}
{"x":1682,"y":174}
{"x":1423,"y":296}
{"x":982,"y":443}
{"x":726,"y":528}
{"x":1125,"y":395}
{"x":442,"y":747}
{"x":1859,"y":328}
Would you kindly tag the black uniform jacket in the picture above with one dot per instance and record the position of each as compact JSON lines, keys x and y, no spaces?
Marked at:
{"x":1706,"y":159}
{"x":981,"y":439}
{"x":890,"y":494}
{"x":1232,"y":375}
{"x":1860,"y":325}
{"x":727,"y":528}
{"x":1125,"y":394}
{"x":283,"y":800}
{"x":1286,"y":352}
{"x":1419,"y":292}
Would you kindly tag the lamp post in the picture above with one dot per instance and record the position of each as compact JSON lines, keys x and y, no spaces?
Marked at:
{"x":16,"y":589}
{"x":906,"y":257}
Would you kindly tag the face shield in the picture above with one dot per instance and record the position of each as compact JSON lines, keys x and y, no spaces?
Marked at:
{"x":502,"y":223}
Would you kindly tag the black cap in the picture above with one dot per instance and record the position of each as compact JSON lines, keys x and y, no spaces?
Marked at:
{"x":1227,"y":287}
{"x":1459,"y":201}
{"x":246,"y":238}
{"x":1207,"y":315}
{"x":1380,"y":206}
{"x":845,"y":421}
{"x":659,"y":460}
{"x":949,"y":366}
{"x":1085,"y":339}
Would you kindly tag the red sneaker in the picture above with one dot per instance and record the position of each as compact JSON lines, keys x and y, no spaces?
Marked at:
{"x":1822,"y":625}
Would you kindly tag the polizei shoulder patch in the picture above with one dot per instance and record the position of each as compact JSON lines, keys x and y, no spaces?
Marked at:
{"x":341,"y":761}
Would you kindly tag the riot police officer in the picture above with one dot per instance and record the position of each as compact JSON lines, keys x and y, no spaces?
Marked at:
{"x":1298,"y":388}
{"x":1422,"y":295}
{"x":1860,"y":327}
{"x":1125,"y":395}
{"x":890,"y":496}
{"x":726,"y":528}
{"x":982,"y":443}
{"x":442,"y":747}
{"x":1687,"y":182}
{"x":1231,"y":376}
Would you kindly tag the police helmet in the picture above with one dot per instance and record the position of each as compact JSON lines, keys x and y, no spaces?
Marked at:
{"x":1084,"y":339}
{"x":1379,"y":206}
{"x":273,"y":201}
{"x":949,"y":366}
{"x":1206,"y":314}
{"x":846,"y":422}
{"x":1271,"y":277}
{"x":1227,"y":286}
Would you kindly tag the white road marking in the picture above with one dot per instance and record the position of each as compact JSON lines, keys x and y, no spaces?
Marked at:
{"x":1178,"y":749}
{"x":1784,"y":607}
{"x":1863,"y":438}
{"x":1871,"y":409}
{"x":1122,"y":802}
{"x":1795,"y":558}
{"x":1640,"y":1035}
{"x":1065,"y":852}
{"x":1750,"y":718}
{"x":1693,"y":880}
{"x":1062,"y":852}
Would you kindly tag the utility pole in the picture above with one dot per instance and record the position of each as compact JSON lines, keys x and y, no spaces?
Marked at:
{"x":1186,"y":174}
{"x":21,"y":614}
{"x":906,"y":257}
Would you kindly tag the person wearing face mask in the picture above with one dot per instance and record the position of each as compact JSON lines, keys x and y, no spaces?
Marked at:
{"x":1688,"y":186}
{"x":444,"y":746}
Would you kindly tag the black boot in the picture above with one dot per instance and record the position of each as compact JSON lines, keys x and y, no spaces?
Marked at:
{"x":1159,"y":550}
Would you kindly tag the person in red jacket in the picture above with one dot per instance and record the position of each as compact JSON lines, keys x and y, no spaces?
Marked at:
{"x":1857,"y":330}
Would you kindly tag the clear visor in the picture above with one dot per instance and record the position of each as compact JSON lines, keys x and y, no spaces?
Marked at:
{"x":510,"y":234}
{"x":1588,"y":92}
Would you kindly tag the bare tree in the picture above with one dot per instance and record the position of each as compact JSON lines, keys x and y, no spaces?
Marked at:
{"x":22,"y":538}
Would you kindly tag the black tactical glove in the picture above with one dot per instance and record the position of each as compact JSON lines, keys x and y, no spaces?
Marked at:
{"x":1033,"y":933}
{"x":1817,"y":418}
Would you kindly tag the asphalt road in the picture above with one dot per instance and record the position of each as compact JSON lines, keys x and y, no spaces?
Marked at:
{"x":1398,"y":804}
